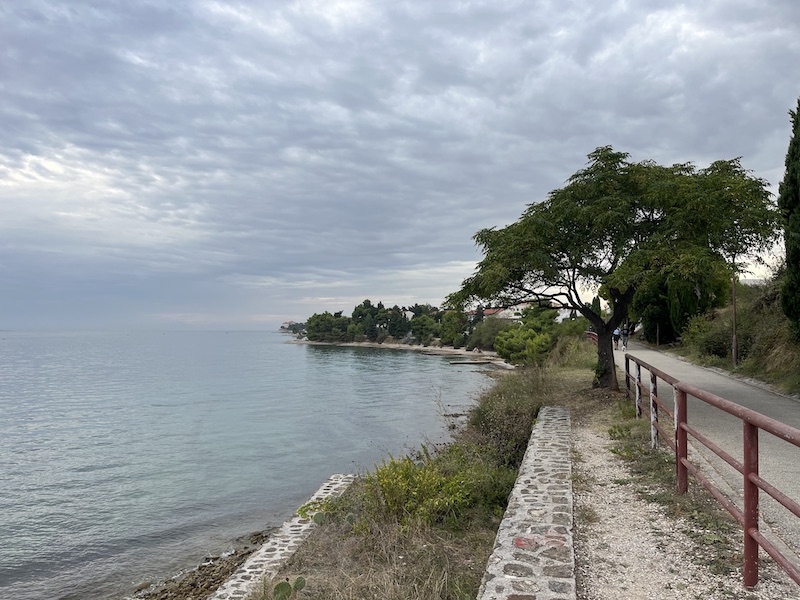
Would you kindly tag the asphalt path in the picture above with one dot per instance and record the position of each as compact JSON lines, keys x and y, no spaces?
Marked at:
{"x":779,"y":461}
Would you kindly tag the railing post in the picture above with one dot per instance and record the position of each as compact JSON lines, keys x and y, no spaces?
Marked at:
{"x":638,"y":391}
{"x":627,"y":377}
{"x":681,"y":443}
{"x":750,"y":464}
{"x":653,"y":411}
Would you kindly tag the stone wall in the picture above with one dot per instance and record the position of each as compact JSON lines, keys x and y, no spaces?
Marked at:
{"x":533,"y":556}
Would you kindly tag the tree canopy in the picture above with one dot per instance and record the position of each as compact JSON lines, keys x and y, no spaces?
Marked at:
{"x":613,"y":227}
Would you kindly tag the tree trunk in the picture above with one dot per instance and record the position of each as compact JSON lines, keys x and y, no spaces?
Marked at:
{"x":606,"y":373}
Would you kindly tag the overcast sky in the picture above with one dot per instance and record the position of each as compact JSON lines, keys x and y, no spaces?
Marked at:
{"x":222,"y":164}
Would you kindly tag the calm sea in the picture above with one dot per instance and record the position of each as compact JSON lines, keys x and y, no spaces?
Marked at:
{"x":129,"y":457}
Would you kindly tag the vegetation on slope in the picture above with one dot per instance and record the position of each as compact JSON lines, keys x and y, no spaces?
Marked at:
{"x":768,"y":349}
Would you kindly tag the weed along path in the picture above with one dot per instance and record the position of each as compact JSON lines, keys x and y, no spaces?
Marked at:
{"x":779,"y":461}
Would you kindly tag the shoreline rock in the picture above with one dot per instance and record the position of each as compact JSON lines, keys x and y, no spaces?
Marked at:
{"x":206,"y":578}
{"x":483,"y":356}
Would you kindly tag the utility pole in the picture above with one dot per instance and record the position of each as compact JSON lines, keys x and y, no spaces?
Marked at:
{"x":734,"y":342}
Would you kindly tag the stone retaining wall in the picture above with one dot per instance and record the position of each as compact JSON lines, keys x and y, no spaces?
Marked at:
{"x":533,"y":556}
{"x":267,"y":560}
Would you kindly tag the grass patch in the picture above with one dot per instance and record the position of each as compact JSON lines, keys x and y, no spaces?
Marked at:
{"x":653,"y":475}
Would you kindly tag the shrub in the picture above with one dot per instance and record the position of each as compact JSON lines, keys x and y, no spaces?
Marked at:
{"x":506,"y":414}
{"x":707,"y":335}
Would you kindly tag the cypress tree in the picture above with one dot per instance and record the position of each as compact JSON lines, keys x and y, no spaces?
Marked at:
{"x":789,"y":204}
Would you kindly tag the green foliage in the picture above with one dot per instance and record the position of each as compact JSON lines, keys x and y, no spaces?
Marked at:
{"x":454,"y":324}
{"x":420,"y":310}
{"x":571,"y":347}
{"x":506,"y":414}
{"x":523,"y":345}
{"x":424,"y":328}
{"x":569,"y":328}
{"x":445,"y":488}
{"x":403,"y":490}
{"x":397,"y":325}
{"x":365,"y":320}
{"x":285,"y":590}
{"x":767,"y":346}
{"x":667,"y":300}
{"x":789,"y":204}
{"x":485,"y":332}
{"x":702,"y":334}
{"x":532,"y":341}
{"x":695,"y":288}
{"x":369,"y":322}
{"x":297,"y":328}
{"x":595,"y":306}
{"x":327,"y":327}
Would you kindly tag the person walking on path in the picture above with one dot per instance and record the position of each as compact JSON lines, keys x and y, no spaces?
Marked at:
{"x":616,"y":339}
{"x":626,"y":330}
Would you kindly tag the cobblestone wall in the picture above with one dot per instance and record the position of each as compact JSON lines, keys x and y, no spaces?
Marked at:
{"x":533,"y":556}
{"x":267,"y":560}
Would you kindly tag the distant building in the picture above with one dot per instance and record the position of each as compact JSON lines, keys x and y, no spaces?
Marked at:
{"x":514,"y":313}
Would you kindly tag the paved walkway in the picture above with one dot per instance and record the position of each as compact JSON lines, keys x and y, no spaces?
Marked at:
{"x":779,"y":460}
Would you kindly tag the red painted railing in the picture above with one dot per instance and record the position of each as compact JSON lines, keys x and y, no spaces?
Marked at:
{"x":752,"y":422}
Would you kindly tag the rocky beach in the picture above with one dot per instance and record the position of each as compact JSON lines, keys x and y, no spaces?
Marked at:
{"x":200,"y":582}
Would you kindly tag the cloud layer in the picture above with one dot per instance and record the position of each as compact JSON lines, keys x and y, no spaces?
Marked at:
{"x":236,"y":164}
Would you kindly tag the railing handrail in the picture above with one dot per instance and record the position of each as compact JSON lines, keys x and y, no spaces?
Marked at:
{"x":655,"y":370}
{"x":753,"y":421}
{"x":780,"y":430}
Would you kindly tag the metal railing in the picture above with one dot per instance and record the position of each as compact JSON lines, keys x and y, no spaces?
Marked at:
{"x":752,"y":422}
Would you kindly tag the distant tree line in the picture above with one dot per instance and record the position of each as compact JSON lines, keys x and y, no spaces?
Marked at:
{"x":374,"y":323}
{"x":524,"y":340}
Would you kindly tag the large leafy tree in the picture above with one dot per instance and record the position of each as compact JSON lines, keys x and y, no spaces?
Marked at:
{"x":789,"y":203}
{"x":614,"y":226}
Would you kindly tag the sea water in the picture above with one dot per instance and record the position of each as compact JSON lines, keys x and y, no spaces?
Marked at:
{"x":127,"y":457}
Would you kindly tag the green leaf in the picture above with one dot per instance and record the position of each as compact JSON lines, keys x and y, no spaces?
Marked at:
{"x":282,"y":591}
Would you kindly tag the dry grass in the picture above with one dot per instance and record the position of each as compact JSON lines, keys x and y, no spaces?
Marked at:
{"x":392,"y":562}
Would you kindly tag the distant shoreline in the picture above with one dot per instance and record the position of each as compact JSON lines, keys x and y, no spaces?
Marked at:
{"x":482,"y":357}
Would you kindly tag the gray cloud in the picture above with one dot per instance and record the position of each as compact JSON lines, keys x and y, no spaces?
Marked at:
{"x":231,"y":164}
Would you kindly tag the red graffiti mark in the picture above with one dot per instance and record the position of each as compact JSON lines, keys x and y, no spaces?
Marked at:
{"x":538,"y":541}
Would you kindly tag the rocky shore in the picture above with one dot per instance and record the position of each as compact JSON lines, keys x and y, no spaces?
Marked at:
{"x":204,"y":580}
{"x":480,"y":356}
